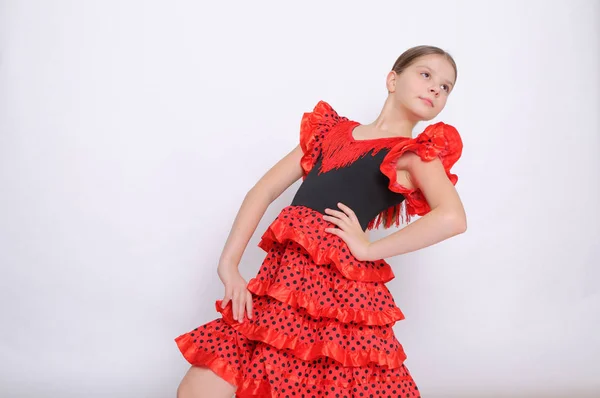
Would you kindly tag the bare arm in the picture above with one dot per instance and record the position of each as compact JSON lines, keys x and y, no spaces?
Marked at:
{"x":447,"y":217}
{"x":271,"y":185}
{"x":285,"y":172}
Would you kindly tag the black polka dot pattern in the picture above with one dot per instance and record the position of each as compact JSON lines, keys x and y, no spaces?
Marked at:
{"x":289,"y":274}
{"x":351,"y":344}
{"x":315,"y":126}
{"x":307,"y":227}
{"x":321,"y":325}
{"x":261,"y":370}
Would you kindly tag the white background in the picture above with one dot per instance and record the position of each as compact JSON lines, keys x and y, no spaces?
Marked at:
{"x":130,"y":132}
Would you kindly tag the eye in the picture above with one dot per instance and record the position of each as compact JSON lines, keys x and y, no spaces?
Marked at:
{"x":425,"y":73}
{"x":447,"y":88}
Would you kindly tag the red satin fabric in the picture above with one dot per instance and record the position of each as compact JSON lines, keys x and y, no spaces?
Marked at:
{"x":324,"y":132}
{"x":323,"y":377}
{"x":298,"y":299}
{"x":322,"y":321}
{"x":307,"y":227}
{"x":438,"y":140}
{"x":383,"y":348}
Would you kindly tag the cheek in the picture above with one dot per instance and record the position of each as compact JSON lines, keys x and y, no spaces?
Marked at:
{"x":443,"y":100}
{"x":409,"y":91}
{"x":412,"y":87}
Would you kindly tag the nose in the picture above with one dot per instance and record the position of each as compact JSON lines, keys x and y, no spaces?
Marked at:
{"x":434,"y":90}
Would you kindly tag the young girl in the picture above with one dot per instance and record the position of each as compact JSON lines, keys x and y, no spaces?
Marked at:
{"x":317,"y":319}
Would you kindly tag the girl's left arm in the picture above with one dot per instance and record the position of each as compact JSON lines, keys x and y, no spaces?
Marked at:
{"x":446,"y":218}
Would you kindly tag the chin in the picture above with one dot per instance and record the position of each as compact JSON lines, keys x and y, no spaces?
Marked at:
{"x":429,"y":114}
{"x":423,"y":116}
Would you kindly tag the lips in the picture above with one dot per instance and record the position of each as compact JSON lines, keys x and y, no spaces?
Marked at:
{"x":428,"y":101}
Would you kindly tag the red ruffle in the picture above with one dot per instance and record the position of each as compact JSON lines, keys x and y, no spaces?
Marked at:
{"x":252,"y":387}
{"x":298,"y":299}
{"x":323,"y":247}
{"x":289,"y":274}
{"x":210,"y":359}
{"x":312,"y":128}
{"x":313,"y":350}
{"x":246,"y":387}
{"x":437,"y":140}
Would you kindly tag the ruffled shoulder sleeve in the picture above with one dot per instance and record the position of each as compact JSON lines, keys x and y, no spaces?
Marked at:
{"x":313,"y":128}
{"x":438,"y":140}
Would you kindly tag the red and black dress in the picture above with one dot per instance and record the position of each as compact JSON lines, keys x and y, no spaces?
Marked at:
{"x":322,"y":320}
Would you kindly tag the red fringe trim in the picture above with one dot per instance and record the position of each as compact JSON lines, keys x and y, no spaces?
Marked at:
{"x":391,"y":216}
{"x":309,"y":352}
{"x":345,"y":315}
{"x":340,"y":149}
{"x":324,"y":131}
{"x":279,"y":231}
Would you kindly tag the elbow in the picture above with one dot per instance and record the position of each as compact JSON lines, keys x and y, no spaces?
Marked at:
{"x":457,"y":223}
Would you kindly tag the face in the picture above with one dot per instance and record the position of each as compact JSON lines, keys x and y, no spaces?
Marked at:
{"x":422,"y":89}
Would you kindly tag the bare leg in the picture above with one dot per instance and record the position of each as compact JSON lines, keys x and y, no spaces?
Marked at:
{"x":204,"y":383}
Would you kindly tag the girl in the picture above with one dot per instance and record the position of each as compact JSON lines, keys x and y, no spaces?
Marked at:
{"x":317,"y":319}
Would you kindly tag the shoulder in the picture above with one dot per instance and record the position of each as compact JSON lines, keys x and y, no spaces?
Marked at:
{"x":322,"y":113}
{"x":315,"y":126}
{"x":439,"y":141}
{"x":318,"y":122}
{"x":429,"y":155}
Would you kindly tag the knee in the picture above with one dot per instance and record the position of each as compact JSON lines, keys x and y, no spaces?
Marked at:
{"x":202,"y":382}
{"x":185,"y":390}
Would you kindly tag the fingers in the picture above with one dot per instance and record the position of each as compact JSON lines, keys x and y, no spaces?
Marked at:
{"x":336,"y":213}
{"x":234,"y":305}
{"x":237,"y":294}
{"x":241,"y":304}
{"x":249,"y":305}
{"x":226,"y":298}
{"x":337,"y":232}
{"x":334,"y":220}
{"x":343,"y":219}
{"x":338,"y":218}
{"x":348,"y":211}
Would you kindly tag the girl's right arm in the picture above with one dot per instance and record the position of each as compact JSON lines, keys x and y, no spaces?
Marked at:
{"x":270,"y":186}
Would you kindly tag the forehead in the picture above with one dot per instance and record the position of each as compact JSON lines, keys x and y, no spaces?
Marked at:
{"x":437,"y":63}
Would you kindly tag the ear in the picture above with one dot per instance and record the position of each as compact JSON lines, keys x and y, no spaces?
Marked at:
{"x":390,"y":81}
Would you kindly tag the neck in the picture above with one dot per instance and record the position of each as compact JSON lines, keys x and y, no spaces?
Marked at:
{"x":393,"y":120}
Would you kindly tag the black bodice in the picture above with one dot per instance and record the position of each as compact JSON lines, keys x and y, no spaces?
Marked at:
{"x":360,"y":186}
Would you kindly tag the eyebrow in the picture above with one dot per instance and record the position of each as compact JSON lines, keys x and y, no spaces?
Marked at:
{"x":427,"y":67}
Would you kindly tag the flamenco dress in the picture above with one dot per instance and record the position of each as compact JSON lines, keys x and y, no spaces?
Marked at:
{"x":322,"y":320}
